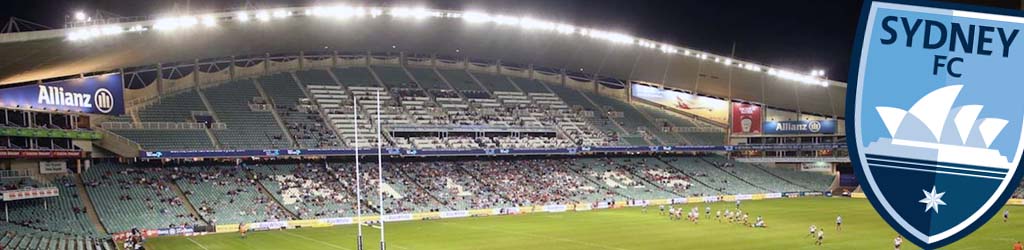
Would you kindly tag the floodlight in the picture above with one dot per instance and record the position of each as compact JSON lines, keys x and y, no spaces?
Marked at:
{"x":209,"y":21}
{"x":80,"y":16}
{"x":476,"y":17}
{"x":242,"y":16}
{"x":376,"y":12}
{"x":281,"y":13}
{"x":530,"y":23}
{"x":263,"y":16}
{"x":565,"y":29}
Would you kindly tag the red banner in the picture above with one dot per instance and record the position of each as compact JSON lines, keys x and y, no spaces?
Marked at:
{"x":14,"y":153}
{"x":22,"y":194}
{"x":746,"y":119}
{"x":145,"y":233}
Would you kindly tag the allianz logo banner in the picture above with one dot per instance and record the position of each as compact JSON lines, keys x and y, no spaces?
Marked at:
{"x":800,"y":127}
{"x":102,"y":94}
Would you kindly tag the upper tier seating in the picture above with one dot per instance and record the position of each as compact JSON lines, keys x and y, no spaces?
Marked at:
{"x":427,"y":78}
{"x":393,"y":77}
{"x":530,"y":85}
{"x":460,"y":79}
{"x":302,"y":120}
{"x":315,"y":77}
{"x":355,"y":77}
{"x":173,"y":108}
{"x":495,"y":82}
{"x":247,"y":129}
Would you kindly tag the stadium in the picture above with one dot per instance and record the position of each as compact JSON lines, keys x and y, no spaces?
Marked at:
{"x":416,"y":128}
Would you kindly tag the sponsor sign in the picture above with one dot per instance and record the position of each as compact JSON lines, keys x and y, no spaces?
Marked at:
{"x":23,"y":194}
{"x":555,"y":208}
{"x":397,"y":217}
{"x":773,"y":195}
{"x":36,"y":154}
{"x":743,"y":197}
{"x":226,"y":228}
{"x":506,"y":210}
{"x":51,"y":133}
{"x":636,"y":203}
{"x":102,"y":94}
{"x":338,"y":221}
{"x":174,"y":231}
{"x":710,"y":108}
{"x":262,"y":226}
{"x":816,"y":167}
{"x":584,"y":207}
{"x":454,"y":214}
{"x":745,"y":119}
{"x":53,"y":167}
{"x":827,"y":126}
{"x":146,"y":233}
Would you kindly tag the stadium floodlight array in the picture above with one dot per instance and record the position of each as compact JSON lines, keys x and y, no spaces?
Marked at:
{"x":817,"y":77}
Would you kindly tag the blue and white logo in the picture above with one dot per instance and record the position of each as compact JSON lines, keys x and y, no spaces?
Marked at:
{"x":937,"y":140}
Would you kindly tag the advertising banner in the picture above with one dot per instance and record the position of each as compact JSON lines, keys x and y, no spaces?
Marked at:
{"x":23,"y":194}
{"x":174,"y":231}
{"x":261,"y":226}
{"x":816,"y":167}
{"x":584,"y":207}
{"x":397,"y":217}
{"x":454,"y":214}
{"x":636,"y":203}
{"x":102,"y":94}
{"x":53,"y":167}
{"x":773,"y":195}
{"x":745,"y":119}
{"x":800,"y":127}
{"x":555,"y":208}
{"x":505,"y":210}
{"x":338,"y":221}
{"x":710,"y":108}
{"x":31,"y":154}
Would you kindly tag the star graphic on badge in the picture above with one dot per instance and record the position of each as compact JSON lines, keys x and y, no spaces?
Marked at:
{"x":932,"y":200}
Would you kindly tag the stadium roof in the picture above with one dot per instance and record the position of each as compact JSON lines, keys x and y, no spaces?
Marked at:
{"x":30,"y":56}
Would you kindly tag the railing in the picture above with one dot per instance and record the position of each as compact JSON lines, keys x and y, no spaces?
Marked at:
{"x":697,"y":129}
{"x":468,"y":128}
{"x":162,"y":125}
{"x":5,"y":174}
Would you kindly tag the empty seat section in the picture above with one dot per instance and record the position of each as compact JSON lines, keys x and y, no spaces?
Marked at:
{"x":247,"y":128}
{"x":355,"y":76}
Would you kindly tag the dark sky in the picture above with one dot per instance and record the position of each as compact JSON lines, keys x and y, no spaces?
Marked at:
{"x":796,"y":34}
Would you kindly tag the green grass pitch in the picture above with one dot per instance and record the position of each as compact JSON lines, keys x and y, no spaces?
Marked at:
{"x":617,"y":229}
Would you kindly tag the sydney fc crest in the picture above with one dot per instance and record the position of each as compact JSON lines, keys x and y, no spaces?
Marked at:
{"x":935,"y":115}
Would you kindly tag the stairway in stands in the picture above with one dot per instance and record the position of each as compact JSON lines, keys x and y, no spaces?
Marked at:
{"x":188,"y":203}
{"x":87,"y":202}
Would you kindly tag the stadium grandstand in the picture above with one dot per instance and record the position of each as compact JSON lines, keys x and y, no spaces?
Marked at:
{"x":165,"y":130}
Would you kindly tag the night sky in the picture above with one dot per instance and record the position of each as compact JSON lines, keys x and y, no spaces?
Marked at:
{"x":800,"y":35}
